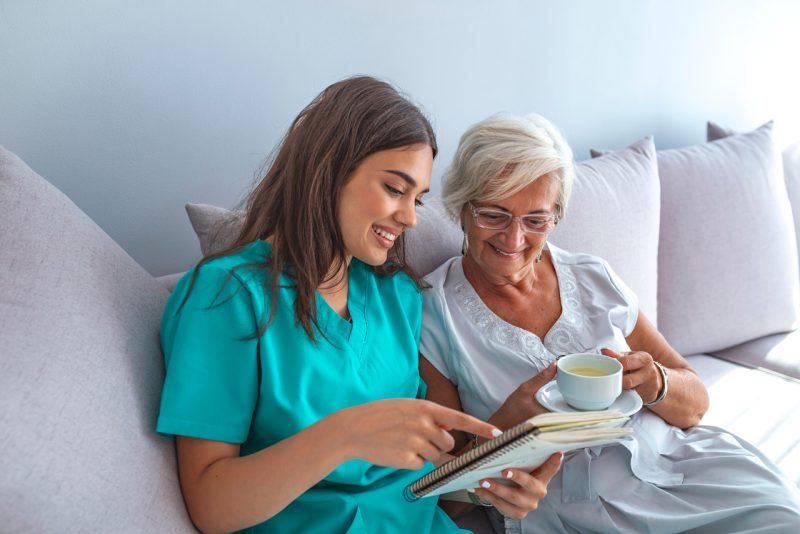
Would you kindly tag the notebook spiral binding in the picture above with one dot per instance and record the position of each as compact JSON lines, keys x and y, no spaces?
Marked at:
{"x":474,"y":459}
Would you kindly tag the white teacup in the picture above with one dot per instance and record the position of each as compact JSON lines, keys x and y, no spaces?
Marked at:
{"x":589,"y":381}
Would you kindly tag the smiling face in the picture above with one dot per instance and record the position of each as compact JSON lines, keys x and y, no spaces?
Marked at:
{"x":380,"y":198}
{"x":509,"y":255}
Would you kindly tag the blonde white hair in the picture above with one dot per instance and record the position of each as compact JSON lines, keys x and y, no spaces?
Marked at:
{"x":502,"y":155}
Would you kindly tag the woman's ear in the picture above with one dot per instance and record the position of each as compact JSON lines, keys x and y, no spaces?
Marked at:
{"x":463,"y":218}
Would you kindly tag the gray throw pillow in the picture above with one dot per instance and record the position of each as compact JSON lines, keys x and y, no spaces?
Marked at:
{"x":81,"y":372}
{"x":216,"y":227}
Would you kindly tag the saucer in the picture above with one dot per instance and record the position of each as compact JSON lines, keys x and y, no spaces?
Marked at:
{"x":629,"y":402}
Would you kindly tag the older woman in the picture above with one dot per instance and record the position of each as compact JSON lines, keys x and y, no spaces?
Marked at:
{"x":496,"y":319}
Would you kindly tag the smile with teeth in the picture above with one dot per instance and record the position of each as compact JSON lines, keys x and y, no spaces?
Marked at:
{"x":384,"y":234}
{"x":504,"y":253}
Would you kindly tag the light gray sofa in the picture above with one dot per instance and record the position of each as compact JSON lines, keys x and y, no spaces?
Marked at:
{"x":81,"y":368}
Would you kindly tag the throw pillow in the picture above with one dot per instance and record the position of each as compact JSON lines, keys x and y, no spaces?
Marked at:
{"x":724,"y":273}
{"x":216,"y":228}
{"x":791,"y":170}
{"x":436,"y":238}
{"x":614,"y":213}
{"x":80,"y":373}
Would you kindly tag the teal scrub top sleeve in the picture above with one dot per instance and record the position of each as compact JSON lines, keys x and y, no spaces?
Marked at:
{"x":211,"y":384}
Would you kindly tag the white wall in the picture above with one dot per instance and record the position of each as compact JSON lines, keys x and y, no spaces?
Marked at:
{"x":134,"y":108}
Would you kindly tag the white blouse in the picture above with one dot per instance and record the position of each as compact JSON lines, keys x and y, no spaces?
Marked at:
{"x":487,"y":358}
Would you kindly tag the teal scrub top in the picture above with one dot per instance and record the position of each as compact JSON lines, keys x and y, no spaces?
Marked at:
{"x":222,"y":384}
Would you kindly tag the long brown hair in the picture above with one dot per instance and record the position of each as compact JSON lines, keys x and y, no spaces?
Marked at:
{"x":295,"y":205}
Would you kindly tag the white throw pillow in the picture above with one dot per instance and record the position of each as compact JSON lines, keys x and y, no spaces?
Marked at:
{"x":791,"y":170}
{"x":728,"y":265}
{"x":614,"y":213}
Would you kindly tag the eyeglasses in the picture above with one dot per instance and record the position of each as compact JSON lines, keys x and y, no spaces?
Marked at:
{"x":493,"y":219}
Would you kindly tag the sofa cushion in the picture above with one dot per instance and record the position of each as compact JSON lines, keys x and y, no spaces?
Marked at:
{"x":614,"y":213}
{"x":727,"y":269}
{"x":791,"y":171}
{"x":779,"y":353}
{"x":80,"y":373}
{"x":436,"y":238}
{"x":169,"y":281}
{"x":216,"y":228}
{"x":759,"y":406}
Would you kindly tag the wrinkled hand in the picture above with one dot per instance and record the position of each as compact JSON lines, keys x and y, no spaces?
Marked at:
{"x":522,"y":497}
{"x":638,"y":373}
{"x":522,"y":403}
{"x":403,"y":433}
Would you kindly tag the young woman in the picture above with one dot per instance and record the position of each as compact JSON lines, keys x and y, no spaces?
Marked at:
{"x":292,"y":384}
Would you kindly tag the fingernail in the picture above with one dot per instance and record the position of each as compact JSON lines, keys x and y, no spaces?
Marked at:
{"x":509,"y":474}
{"x":485,"y":484}
{"x":496,"y":432}
{"x":471,"y":490}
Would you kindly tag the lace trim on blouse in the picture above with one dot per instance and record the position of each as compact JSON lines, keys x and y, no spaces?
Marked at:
{"x":562,"y":338}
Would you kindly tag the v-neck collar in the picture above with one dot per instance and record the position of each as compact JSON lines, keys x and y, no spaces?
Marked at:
{"x":332,"y":324}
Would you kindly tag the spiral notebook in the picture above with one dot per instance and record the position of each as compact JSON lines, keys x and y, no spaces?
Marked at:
{"x":525,"y":446}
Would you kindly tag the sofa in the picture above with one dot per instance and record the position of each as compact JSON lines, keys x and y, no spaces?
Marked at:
{"x":705,"y":235}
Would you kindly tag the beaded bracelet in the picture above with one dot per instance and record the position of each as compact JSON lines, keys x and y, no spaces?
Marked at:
{"x":664,"y":388}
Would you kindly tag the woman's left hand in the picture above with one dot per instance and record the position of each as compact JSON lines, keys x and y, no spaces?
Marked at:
{"x":638,"y":373}
{"x":522,"y":497}
{"x":522,"y":403}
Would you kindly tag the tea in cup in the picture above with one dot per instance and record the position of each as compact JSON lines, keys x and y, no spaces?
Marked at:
{"x":589,"y":381}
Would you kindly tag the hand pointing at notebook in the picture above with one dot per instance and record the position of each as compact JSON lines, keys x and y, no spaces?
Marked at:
{"x":403,"y":433}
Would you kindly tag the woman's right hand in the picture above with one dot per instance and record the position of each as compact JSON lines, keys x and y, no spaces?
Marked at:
{"x":403,"y":433}
{"x":522,"y":403}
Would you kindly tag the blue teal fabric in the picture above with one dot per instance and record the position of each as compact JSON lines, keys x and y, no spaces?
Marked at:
{"x":222,"y":386}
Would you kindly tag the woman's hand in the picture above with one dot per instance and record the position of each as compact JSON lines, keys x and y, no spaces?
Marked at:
{"x":639,"y":373}
{"x":522,"y":403}
{"x":403,"y":433}
{"x":522,"y":497}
